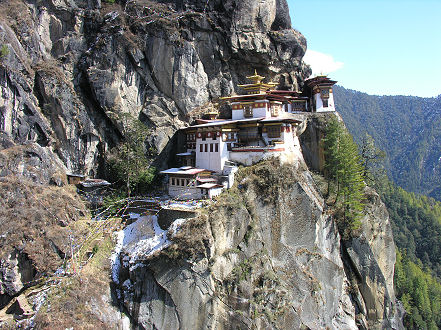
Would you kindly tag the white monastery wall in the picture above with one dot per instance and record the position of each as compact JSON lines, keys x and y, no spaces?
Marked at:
{"x":180,"y":192}
{"x":214,"y":192}
{"x":319,"y":103}
{"x":209,"y":158}
{"x":260,"y":112}
{"x":237,"y":114}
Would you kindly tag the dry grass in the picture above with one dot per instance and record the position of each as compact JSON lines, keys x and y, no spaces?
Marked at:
{"x":35,"y":221}
{"x":15,"y":11}
{"x":71,"y":303}
{"x":267,"y":178}
{"x":191,"y":241}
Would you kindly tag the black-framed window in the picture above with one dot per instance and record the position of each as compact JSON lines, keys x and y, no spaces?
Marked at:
{"x":248,"y":111}
{"x":273,"y":131}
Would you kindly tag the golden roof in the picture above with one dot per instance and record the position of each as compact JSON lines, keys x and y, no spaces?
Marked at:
{"x":257,"y":85}
{"x":255,"y":78}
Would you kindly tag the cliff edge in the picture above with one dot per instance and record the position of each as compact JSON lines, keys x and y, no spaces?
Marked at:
{"x":267,"y":254}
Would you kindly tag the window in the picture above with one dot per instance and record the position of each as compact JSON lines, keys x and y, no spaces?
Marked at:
{"x":214,"y":135}
{"x":182,"y":182}
{"x":211,"y":147}
{"x":229,"y":148}
{"x":206,"y":147}
{"x":216,"y":147}
{"x":204,"y":136}
{"x":188,"y":182}
{"x":201,"y":147}
{"x":248,"y":111}
{"x":325,"y":103}
{"x":173,"y":181}
{"x":273,"y":131}
{"x":298,"y":106}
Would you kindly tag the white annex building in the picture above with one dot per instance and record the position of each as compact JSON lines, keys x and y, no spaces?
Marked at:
{"x":262,"y":125}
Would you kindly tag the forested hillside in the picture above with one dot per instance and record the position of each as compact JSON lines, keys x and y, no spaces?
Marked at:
{"x":416,"y":224}
{"x":407,"y":128}
{"x":420,"y":294}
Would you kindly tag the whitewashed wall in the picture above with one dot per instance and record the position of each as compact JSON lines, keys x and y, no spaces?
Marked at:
{"x":319,"y":103}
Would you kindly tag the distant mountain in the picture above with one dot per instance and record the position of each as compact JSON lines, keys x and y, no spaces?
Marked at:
{"x":407,"y":128}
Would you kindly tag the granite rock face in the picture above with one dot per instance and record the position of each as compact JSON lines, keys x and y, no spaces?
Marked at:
{"x":370,"y":260}
{"x":71,"y":71}
{"x":267,"y":255}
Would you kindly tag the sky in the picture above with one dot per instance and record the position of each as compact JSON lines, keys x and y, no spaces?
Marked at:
{"x":388,"y":47}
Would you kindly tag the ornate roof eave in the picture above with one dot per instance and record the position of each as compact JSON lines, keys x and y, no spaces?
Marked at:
{"x":320,"y":81}
{"x":260,"y":85}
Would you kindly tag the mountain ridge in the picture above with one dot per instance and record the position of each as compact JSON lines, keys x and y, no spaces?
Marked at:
{"x":406,"y":128}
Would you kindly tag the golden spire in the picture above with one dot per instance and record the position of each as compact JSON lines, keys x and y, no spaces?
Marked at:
{"x":256,"y":79}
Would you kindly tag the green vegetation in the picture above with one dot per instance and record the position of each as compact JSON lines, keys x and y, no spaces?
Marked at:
{"x":420,"y":294}
{"x":416,"y":224}
{"x":373,"y":160}
{"x":4,"y":51}
{"x":407,"y":128}
{"x":129,"y":163}
{"x":344,"y":171}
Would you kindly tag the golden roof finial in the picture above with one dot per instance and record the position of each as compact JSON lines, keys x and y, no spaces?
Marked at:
{"x":257,"y":79}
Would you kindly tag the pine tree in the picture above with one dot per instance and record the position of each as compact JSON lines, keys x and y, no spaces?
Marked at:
{"x":129,"y":162}
{"x":373,"y":159}
{"x":343,"y":166}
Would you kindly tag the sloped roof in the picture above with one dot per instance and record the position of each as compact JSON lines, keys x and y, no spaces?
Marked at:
{"x":185,"y":170}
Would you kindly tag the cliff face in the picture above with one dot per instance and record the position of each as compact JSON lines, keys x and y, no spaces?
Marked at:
{"x":71,"y":71}
{"x":266,"y":255}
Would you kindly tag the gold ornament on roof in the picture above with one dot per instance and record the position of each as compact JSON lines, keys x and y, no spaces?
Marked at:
{"x":257,"y":86}
{"x":257,"y":79}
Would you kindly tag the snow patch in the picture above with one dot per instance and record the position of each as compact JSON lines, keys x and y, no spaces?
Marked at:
{"x":140,"y":240}
{"x":175,"y":226}
{"x":146,"y":247}
{"x":188,"y":205}
{"x":114,"y":257}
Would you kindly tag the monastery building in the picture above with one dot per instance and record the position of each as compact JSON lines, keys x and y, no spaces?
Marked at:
{"x":263,"y":125}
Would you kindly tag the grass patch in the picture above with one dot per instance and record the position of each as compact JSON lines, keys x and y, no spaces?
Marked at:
{"x":42,"y":215}
{"x":71,"y":303}
{"x":191,"y":241}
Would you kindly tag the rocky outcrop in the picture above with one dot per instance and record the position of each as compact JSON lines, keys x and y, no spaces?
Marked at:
{"x":369,"y":261}
{"x":72,"y":72}
{"x":266,"y":255}
{"x":75,"y":74}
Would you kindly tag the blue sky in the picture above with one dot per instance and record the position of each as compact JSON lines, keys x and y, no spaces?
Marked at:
{"x":389,"y":47}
